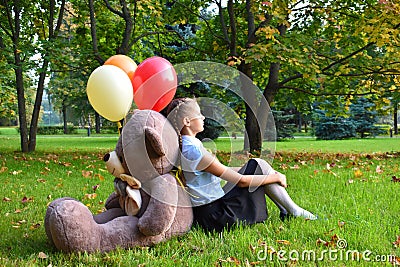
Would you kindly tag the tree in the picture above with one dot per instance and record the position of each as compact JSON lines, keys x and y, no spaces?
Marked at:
{"x":8,"y":96}
{"x":363,"y":116}
{"x":22,"y":22}
{"x":333,"y":127}
{"x":284,"y":128}
{"x":302,"y":48}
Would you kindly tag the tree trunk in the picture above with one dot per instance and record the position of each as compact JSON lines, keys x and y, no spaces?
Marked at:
{"x":64,"y":114}
{"x":253,"y":133}
{"x":36,"y":107}
{"x":97,"y":122}
{"x":395,"y":121}
{"x":19,"y":78}
{"x":23,"y":127}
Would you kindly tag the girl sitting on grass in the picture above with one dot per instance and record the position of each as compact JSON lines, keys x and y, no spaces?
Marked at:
{"x":242,"y":199}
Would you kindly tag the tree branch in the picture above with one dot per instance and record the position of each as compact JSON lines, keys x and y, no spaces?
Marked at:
{"x":232,"y":25}
{"x":222,"y":21}
{"x":294,"y":77}
{"x":348,"y":56}
{"x":203,"y":19}
{"x":116,"y":12}
{"x":334,"y":94}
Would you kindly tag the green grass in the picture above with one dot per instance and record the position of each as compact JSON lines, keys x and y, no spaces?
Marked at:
{"x":347,"y":183}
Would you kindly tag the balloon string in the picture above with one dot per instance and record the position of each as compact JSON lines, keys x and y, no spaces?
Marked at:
{"x":178,"y":174}
{"x":119,"y":127}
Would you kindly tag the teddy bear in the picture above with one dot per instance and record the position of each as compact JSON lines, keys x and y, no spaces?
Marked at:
{"x":145,"y":154}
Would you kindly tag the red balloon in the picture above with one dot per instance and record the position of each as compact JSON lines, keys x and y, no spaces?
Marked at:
{"x":154,"y":83}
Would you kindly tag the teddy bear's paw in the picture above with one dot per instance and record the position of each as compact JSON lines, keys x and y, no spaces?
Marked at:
{"x":112,"y":201}
{"x":73,"y":228}
{"x":49,"y":214}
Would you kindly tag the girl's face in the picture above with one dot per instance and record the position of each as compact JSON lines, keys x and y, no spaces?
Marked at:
{"x":194,"y":122}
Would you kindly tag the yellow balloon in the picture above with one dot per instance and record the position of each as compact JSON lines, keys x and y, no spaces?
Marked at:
{"x":110,"y":92}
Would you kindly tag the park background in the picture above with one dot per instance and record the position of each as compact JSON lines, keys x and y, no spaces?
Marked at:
{"x":328,"y":69}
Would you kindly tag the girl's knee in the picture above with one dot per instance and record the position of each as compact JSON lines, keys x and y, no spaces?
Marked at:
{"x":263,"y":165}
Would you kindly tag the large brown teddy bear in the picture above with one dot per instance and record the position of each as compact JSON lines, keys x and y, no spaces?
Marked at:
{"x":148,"y":149}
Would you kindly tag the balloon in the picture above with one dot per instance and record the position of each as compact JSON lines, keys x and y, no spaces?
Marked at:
{"x":110,"y":92}
{"x":123,"y":62}
{"x":154,"y":83}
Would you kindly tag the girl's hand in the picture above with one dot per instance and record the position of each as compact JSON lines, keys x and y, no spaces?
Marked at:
{"x":282,"y":179}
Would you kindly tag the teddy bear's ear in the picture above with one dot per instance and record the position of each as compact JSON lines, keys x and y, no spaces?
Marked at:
{"x":153,"y":138}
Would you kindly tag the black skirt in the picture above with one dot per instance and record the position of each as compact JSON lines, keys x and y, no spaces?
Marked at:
{"x":239,"y":205}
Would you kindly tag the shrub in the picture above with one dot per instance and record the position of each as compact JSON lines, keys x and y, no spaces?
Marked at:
{"x":56,"y":129}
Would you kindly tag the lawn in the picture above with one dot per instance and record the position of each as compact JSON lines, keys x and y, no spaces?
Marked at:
{"x":352,"y":185}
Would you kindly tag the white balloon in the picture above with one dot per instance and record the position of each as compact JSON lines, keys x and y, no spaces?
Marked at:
{"x":110,"y":92}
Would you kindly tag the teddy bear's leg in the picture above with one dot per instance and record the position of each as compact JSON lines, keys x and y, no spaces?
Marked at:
{"x":112,"y":201}
{"x":109,"y":215}
{"x":74,"y":229}
{"x":49,"y":213}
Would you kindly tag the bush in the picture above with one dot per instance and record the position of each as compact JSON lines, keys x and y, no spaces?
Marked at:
{"x":109,"y":129}
{"x":212,"y":130}
{"x":284,"y":128}
{"x":332,"y":128}
{"x":56,"y":129}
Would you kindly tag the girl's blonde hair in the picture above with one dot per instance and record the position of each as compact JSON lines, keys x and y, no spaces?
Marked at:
{"x":177,"y":110}
{"x":180,"y":108}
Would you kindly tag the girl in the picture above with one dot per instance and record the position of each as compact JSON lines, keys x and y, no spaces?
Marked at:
{"x":242,"y":199}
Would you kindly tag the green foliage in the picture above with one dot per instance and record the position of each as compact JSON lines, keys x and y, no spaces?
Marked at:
{"x":53,"y":130}
{"x":284,"y":128}
{"x":364,"y":117}
{"x":212,"y":130}
{"x":360,"y":119}
{"x":73,"y":167}
{"x":333,"y":127}
{"x":319,"y":48}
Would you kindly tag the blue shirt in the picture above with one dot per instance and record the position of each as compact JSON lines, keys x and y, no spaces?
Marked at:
{"x":203,"y":187}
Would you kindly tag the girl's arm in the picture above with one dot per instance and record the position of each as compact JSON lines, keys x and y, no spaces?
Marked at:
{"x":211,"y":164}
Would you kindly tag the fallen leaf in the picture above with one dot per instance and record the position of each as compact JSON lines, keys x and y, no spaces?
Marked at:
{"x":321,"y":241}
{"x":34,"y":226}
{"x":26,"y":200}
{"x":330,"y":243}
{"x":284,"y":242}
{"x":95,"y":187}
{"x":358,"y":173}
{"x":101,"y":177}
{"x":6,"y":199}
{"x":90,"y":196}
{"x":328,"y":166}
{"x":42,"y":255}
{"x":87,"y":174}
{"x":394,"y":260}
{"x":378,"y":169}
{"x":3,"y":169}
{"x":229,"y":259}
{"x":397,"y":242}
{"x":395,"y":179}
{"x":295,"y":167}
